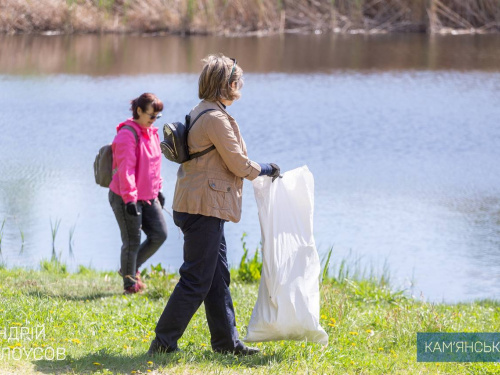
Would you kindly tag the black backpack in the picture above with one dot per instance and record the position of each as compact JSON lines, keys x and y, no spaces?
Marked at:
{"x":174,"y":145}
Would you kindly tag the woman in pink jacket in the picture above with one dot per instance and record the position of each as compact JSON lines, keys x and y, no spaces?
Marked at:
{"x":135,"y":190}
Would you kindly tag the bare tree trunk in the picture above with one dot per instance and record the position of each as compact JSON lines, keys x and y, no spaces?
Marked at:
{"x":418,"y":16}
{"x":433,"y":17}
{"x":333,"y":16}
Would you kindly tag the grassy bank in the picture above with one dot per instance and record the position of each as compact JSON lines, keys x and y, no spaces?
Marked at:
{"x":249,"y":16}
{"x":372,"y":330}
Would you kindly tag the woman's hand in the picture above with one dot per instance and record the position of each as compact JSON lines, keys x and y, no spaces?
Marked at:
{"x":161,"y":199}
{"x":131,"y":208}
{"x":275,"y":172}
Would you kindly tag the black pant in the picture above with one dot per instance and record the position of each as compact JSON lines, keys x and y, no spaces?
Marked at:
{"x":204,"y":277}
{"x":152,"y":222}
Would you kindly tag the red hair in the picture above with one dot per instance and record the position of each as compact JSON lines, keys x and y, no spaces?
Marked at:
{"x":143,"y":102}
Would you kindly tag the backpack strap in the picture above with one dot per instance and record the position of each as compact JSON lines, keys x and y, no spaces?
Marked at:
{"x":133,"y":132}
{"x":201,"y":153}
{"x":190,"y":125}
{"x":136,"y":142}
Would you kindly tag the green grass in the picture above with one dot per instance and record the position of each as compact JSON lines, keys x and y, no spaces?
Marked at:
{"x":372,"y":329}
{"x":249,"y":269}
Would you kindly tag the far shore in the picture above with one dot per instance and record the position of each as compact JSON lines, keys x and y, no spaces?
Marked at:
{"x":248,"y":18}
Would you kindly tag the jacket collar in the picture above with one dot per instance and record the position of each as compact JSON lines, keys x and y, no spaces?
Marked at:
{"x":217,"y":106}
{"x":148,"y":132}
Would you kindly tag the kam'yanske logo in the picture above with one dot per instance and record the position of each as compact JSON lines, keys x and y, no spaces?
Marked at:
{"x":458,"y":347}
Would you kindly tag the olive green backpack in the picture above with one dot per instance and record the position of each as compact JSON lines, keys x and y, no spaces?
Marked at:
{"x":103,"y":164}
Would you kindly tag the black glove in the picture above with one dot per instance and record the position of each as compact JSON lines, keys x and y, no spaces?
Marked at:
{"x":275,"y":172}
{"x":161,"y":199}
{"x":131,"y":208}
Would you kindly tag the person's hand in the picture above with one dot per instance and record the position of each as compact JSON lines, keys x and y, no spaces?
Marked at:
{"x":131,"y":208}
{"x":161,"y":199}
{"x":276,"y":171}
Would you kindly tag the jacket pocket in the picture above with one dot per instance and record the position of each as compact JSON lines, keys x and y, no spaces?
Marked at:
{"x":219,"y":193}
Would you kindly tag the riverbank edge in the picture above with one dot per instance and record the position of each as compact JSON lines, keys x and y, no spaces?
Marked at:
{"x":258,"y":33}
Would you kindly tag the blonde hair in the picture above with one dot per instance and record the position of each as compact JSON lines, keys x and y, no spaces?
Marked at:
{"x":216,"y":80}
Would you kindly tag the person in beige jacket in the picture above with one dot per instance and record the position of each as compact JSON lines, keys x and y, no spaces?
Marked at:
{"x":208,"y":193}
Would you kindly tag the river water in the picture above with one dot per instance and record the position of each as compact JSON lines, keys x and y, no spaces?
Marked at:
{"x":401,"y":132}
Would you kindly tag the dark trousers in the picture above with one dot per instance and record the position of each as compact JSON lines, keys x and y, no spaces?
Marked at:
{"x":204,"y":277}
{"x":151,"y":221}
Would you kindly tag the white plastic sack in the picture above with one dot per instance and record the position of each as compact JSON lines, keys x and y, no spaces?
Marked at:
{"x":287,"y":307}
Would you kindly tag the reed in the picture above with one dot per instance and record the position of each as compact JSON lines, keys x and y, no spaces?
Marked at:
{"x":326,"y":265}
{"x":54,"y":228}
{"x":249,"y":16}
{"x":53,"y":265}
{"x":1,"y":234}
{"x":71,"y":238}
{"x":22,"y":240}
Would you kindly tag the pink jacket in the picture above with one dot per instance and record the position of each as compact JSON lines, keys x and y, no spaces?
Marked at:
{"x":138,"y":166}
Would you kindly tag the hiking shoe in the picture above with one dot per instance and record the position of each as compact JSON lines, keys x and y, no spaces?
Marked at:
{"x":239,"y":350}
{"x":157,"y":348}
{"x":132,"y":289}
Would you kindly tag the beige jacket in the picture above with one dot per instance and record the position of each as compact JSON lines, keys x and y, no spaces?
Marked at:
{"x":212,"y":184}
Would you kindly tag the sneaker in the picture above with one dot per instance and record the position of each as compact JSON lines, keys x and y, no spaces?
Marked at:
{"x":157,"y":348}
{"x":138,"y":279}
{"x":132,"y":289}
